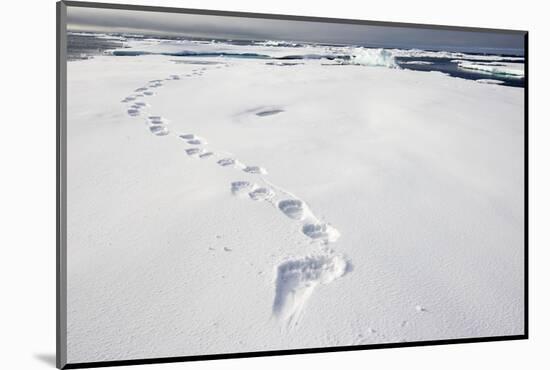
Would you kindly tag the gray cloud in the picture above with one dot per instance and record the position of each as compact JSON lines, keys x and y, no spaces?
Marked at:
{"x":115,"y":20}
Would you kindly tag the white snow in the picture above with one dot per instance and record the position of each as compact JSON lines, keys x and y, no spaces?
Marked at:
{"x":495,"y":68}
{"x":316,"y":206}
{"x":489,"y":81}
{"x":418,"y":62}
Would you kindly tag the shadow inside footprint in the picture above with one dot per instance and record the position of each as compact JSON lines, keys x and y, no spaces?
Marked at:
{"x":196,"y":142}
{"x":293,"y":208}
{"x":206,"y":155}
{"x":224,"y":162}
{"x":322,"y":231}
{"x":187,"y":136}
{"x":242,"y":187}
{"x":133,"y":112}
{"x":193,"y":151}
{"x":255,"y":170}
{"x":261,"y":194}
{"x":159,"y":130}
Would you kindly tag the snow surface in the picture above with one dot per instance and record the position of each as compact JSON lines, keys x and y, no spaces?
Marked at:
{"x":495,"y":68}
{"x":489,"y":81}
{"x":220,"y":205}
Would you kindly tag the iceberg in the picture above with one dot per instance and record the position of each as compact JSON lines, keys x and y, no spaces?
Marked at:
{"x":373,"y":57}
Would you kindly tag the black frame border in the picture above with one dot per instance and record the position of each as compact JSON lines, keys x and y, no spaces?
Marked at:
{"x":61,"y":199}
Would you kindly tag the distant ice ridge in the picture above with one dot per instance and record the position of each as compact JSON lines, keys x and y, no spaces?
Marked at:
{"x":277,"y":43}
{"x":105,"y":36}
{"x":417,"y":62}
{"x":373,"y":57}
{"x":418,"y":53}
{"x":510,"y":69}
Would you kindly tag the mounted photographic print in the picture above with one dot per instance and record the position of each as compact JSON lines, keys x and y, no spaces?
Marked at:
{"x":239,"y":184}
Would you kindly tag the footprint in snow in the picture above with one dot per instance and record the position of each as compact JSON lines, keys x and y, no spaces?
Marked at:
{"x":188,"y":136}
{"x":156,"y":120}
{"x":293,"y":208}
{"x":193,"y":152}
{"x":321,"y":231}
{"x":197,"y":141}
{"x":159,"y":130}
{"x":136,"y":107}
{"x":193,"y":139}
{"x":255,"y":170}
{"x":206,"y":155}
{"x":242,"y":187}
{"x":224,"y":162}
{"x":157,"y":125}
{"x":134,"y":112}
{"x":140,"y":104}
{"x":261,"y":194}
{"x":297,"y":279}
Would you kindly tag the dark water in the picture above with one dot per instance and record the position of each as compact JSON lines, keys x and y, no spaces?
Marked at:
{"x":188,"y":53}
{"x":81,"y":47}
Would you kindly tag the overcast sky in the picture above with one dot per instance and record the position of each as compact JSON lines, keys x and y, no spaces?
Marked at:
{"x":115,"y":20}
